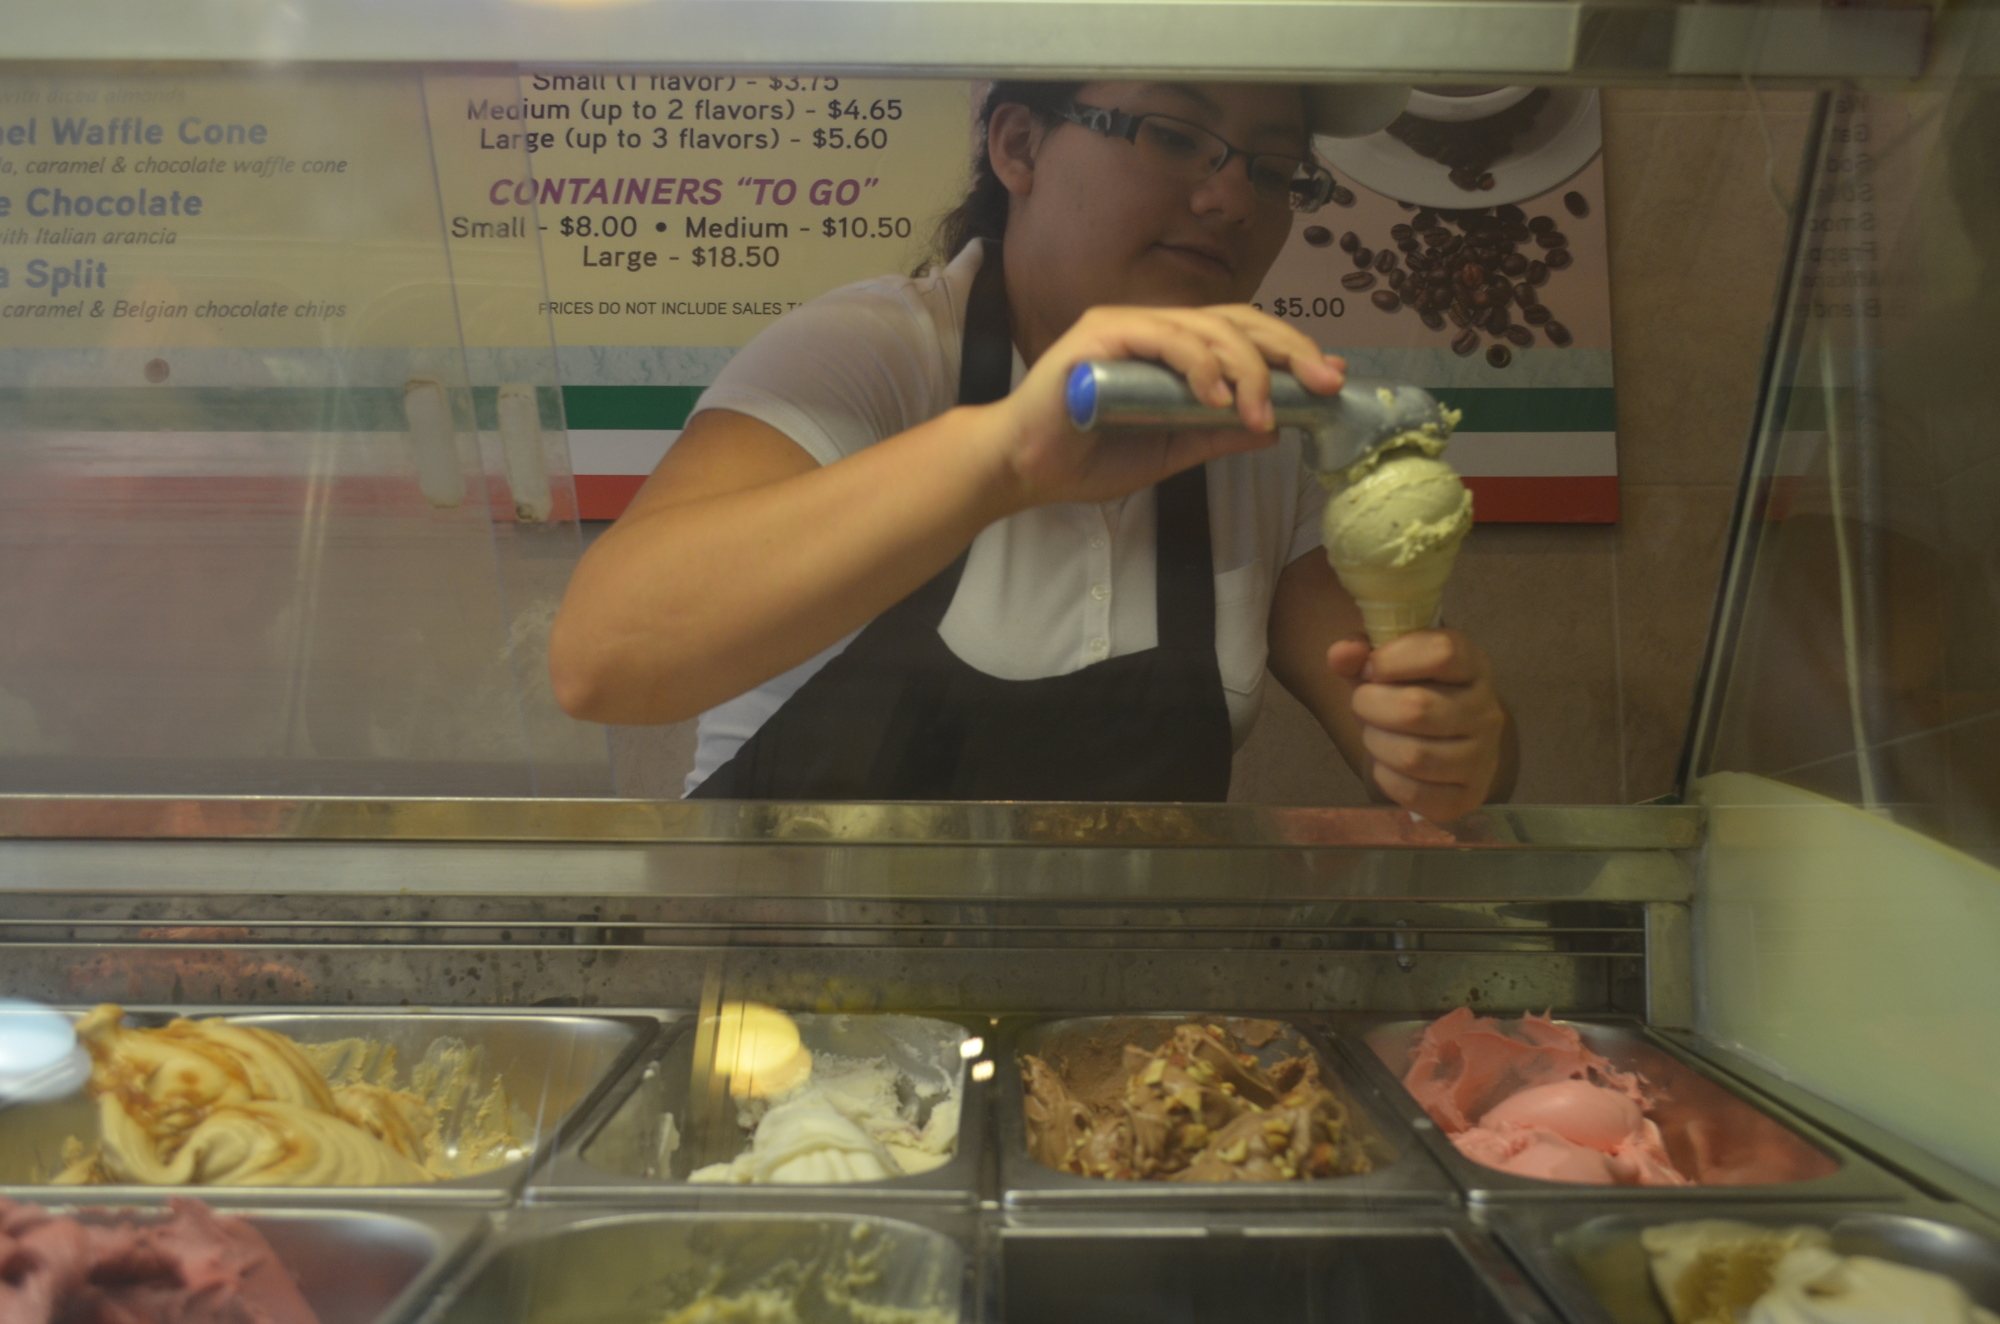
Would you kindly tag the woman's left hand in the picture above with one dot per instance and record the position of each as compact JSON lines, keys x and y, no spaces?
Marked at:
{"x":1436,"y":734}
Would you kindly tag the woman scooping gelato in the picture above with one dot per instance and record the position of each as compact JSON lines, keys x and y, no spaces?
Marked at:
{"x":881,"y":563}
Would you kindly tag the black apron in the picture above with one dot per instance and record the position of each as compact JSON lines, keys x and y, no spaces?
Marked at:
{"x":898,"y":716}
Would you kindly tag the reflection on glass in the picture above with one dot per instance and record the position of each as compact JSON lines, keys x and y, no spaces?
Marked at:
{"x":1865,"y":658}
{"x":284,"y":506}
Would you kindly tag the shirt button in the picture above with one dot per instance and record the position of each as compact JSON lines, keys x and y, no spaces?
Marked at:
{"x":1099,"y":647}
{"x":1100,"y":591}
{"x":1097,"y":543}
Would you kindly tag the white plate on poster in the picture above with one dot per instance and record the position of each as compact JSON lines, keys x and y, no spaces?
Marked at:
{"x":1566,"y":135}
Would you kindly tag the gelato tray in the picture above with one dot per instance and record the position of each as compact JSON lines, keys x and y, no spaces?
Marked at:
{"x":275,"y":1105}
{"x":1351,"y":1268}
{"x":1922,"y":1264}
{"x":552,"y":1266}
{"x":868,"y":1105}
{"x":183,"y":1258}
{"x":1173,"y":1110}
{"x":1532,"y":1108}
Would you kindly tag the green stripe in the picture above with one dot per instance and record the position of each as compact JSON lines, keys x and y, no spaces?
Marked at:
{"x":629,"y":408}
{"x":235,"y":409}
{"x":1533,"y":408}
{"x":203,"y":409}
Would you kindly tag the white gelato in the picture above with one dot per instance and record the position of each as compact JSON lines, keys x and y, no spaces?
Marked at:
{"x":1812,"y":1285}
{"x":854,"y":1120}
{"x":1716,"y":1271}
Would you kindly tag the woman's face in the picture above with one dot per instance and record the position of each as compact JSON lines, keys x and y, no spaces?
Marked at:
{"x":1098,"y":222}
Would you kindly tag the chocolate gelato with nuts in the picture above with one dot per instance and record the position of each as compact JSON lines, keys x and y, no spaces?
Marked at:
{"x":1198,"y":1108}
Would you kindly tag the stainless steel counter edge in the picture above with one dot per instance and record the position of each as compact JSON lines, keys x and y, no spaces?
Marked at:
{"x":1012,"y":823}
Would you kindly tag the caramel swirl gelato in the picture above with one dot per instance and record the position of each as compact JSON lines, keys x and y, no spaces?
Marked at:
{"x":208,"y":1103}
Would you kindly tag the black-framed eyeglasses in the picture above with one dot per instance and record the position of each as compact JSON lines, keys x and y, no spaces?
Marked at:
{"x":1185,"y":149}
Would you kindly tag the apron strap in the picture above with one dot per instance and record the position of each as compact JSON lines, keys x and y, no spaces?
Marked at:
{"x":1184,"y":574}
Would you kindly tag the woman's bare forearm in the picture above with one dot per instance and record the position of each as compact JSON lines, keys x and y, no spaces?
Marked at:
{"x":686,"y":603}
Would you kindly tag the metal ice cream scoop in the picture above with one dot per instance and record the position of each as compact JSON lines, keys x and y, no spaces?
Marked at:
{"x":1134,"y":393}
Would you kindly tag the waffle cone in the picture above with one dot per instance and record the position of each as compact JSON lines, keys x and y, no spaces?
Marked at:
{"x":1398,"y":600}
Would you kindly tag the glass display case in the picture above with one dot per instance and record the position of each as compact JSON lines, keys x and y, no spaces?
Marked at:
{"x":331,"y":334}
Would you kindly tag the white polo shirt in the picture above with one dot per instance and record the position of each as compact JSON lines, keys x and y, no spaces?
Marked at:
{"x":1045,"y":592}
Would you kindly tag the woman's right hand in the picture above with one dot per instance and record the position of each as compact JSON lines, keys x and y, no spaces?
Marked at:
{"x":1225,"y":352}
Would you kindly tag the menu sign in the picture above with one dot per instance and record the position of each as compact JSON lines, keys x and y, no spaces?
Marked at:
{"x":248,"y":211}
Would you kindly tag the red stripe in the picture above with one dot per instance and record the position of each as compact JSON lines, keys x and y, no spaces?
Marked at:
{"x":1587,"y":500}
{"x":605,"y":496}
{"x":1590,"y":500}
{"x":212,"y":496}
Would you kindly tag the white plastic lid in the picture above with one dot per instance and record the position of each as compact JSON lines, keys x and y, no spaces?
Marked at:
{"x":40,"y":1058}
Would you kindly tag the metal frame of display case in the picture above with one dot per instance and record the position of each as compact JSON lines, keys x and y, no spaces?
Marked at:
{"x":1430,"y":41}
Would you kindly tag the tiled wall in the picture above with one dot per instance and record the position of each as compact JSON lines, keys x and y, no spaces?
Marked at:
{"x":1595,"y":632}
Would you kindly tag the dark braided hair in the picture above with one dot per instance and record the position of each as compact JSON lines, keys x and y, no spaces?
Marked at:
{"x":983,"y":213}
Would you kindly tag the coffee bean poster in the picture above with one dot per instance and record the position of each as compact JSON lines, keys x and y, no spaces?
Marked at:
{"x":1465,"y":252}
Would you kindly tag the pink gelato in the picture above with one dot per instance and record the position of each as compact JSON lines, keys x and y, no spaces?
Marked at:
{"x":1527,"y":1097}
{"x":196,"y":1267}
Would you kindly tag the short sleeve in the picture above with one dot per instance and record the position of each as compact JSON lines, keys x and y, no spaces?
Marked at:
{"x":1308,"y":509}
{"x":848,"y":369}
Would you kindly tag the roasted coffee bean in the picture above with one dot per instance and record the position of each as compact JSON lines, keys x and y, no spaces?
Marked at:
{"x":1578,"y":204}
{"x":1349,"y":242}
{"x":1318,"y":236}
{"x":1342,"y":196}
{"x":1552,"y":239}
{"x":1437,"y":236}
{"x":1538,"y":273}
{"x":1409,"y":247}
{"x":1524,"y":294}
{"x":1542,"y":224}
{"x":1558,"y":335}
{"x":1497,"y":320}
{"x":1535,"y":314}
{"x":1472,"y":275}
{"x":1485,"y":181}
{"x":1386,"y":300}
{"x":1364,"y":256}
{"x":1458,"y":318}
{"x":1519,"y":234}
{"x":1432,"y":319}
{"x":1400,"y":231}
{"x":1407,"y":206}
{"x":1558,"y":258}
{"x":1499,"y":356}
{"x":1482,"y":297}
{"x":1521,"y":336}
{"x":1463,"y":178}
{"x":1514,"y":264}
{"x":1509,"y":213}
{"x":1466,"y":343}
{"x":1358,"y":280}
{"x":1385,"y":261}
{"x":1426,"y":219}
